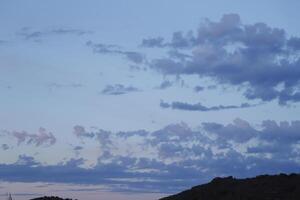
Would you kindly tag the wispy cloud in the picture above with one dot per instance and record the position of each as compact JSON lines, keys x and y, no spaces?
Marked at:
{"x":199,"y":107}
{"x":36,"y":35}
{"x":60,"y":85}
{"x":133,"y":56}
{"x":118,"y":89}
{"x":42,"y":137}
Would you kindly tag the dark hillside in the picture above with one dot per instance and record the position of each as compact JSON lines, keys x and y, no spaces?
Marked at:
{"x":50,"y":198}
{"x":265,"y":187}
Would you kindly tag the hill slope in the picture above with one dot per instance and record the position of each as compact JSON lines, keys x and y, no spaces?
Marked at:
{"x":49,"y":198}
{"x":265,"y":187}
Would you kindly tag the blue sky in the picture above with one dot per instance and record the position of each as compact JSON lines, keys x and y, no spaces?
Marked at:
{"x":131,"y":99}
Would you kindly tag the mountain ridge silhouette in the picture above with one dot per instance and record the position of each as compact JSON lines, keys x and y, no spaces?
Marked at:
{"x":262,"y":187}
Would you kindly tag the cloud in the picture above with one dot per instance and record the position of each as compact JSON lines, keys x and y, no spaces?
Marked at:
{"x":135,"y":57}
{"x":118,"y":89}
{"x":164,"y":85}
{"x":211,"y":87}
{"x":172,"y":158}
{"x":39,"y":139}
{"x":199,"y":107}
{"x":37,"y":35}
{"x":262,"y":59}
{"x":4,"y":147}
{"x":78,"y":148}
{"x":198,"y":88}
{"x":240,"y":130}
{"x":153,"y":42}
{"x":80,"y":131}
{"x":59,"y":86}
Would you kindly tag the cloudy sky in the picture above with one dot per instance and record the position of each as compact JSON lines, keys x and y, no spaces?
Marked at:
{"x":139,"y":99}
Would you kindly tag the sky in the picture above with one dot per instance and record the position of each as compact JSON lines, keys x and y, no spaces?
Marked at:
{"x":141,"y":99}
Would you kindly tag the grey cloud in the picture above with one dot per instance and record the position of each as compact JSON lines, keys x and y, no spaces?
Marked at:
{"x":80,"y":131}
{"x":240,"y":130}
{"x":36,"y":35}
{"x":153,"y":42}
{"x":199,"y":107}
{"x":118,"y":89}
{"x":127,"y":134}
{"x":104,"y":139}
{"x":100,"y":135}
{"x":294,"y":43}
{"x":78,"y":148}
{"x":198,"y":88}
{"x":4,"y":147}
{"x":164,"y":85}
{"x":26,"y":160}
{"x":172,"y":158}
{"x":115,"y":176}
{"x":284,"y":131}
{"x":179,"y":40}
{"x":211,"y":87}
{"x":59,"y":85}
{"x":43,"y":137}
{"x":256,"y":56}
{"x":177,"y":55}
{"x":270,"y":148}
{"x":135,"y":57}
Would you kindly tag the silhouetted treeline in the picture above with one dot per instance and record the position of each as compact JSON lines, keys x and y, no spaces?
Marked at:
{"x":50,"y":198}
{"x":264,"y":187}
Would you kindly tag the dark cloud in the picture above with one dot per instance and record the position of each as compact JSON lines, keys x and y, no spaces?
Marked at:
{"x":101,"y":135}
{"x":211,"y":87}
{"x":164,"y":85}
{"x":135,"y":57}
{"x":284,"y":132}
{"x":198,"y":88}
{"x":172,"y":158}
{"x":118,"y":89}
{"x":177,"y":55}
{"x":153,"y":42}
{"x":43,"y":137}
{"x":37,"y":35}
{"x":80,"y":131}
{"x":4,"y":147}
{"x":78,"y":148}
{"x":256,"y":56}
{"x":240,"y":130}
{"x":294,"y":43}
{"x":199,"y":107}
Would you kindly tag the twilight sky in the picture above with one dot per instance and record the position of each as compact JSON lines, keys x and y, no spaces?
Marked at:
{"x":139,"y":99}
